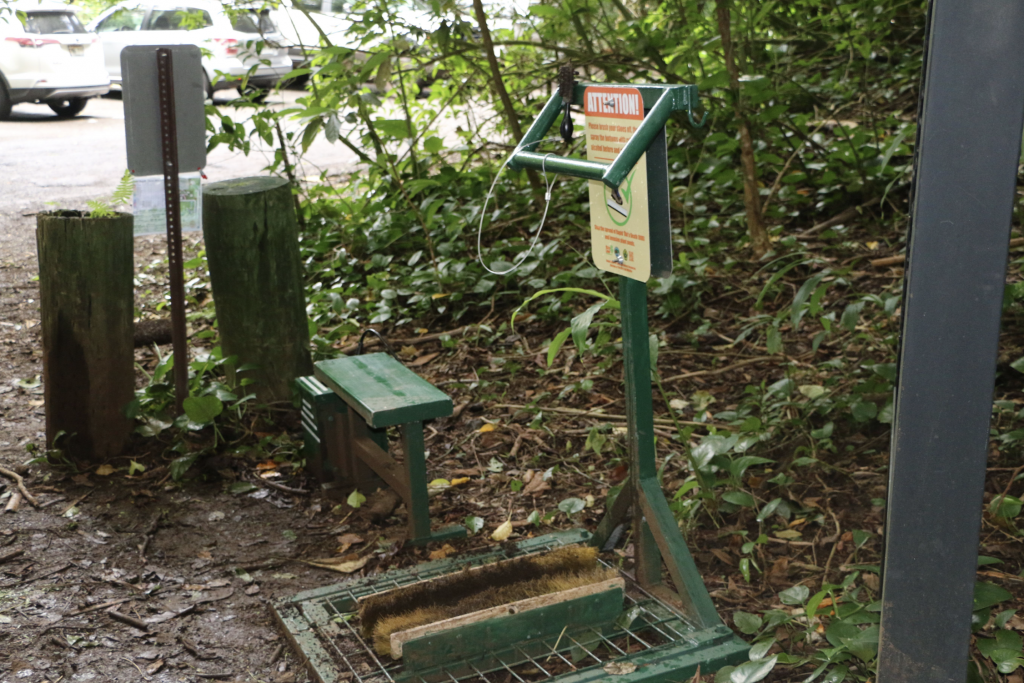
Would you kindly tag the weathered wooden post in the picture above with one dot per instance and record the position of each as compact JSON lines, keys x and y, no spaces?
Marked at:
{"x":252,"y":245}
{"x":86,"y":301}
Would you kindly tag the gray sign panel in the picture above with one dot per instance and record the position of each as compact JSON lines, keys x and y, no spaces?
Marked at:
{"x":142,"y":113}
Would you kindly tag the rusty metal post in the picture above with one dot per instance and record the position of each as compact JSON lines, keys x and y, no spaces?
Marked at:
{"x":172,"y":196}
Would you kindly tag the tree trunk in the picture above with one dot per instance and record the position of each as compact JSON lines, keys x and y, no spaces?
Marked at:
{"x":87,"y":304}
{"x":252,"y":246}
{"x":499,"y":85}
{"x":751,"y":196}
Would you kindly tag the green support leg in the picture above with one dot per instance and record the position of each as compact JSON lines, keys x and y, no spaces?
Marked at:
{"x":418,"y":504}
{"x":655,"y":531}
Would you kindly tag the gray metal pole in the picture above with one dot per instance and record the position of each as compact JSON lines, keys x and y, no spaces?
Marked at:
{"x":969,"y":136}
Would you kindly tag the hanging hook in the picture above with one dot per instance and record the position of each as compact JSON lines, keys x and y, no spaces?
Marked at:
{"x":689,"y":114}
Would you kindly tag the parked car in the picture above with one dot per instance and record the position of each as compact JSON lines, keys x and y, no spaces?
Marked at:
{"x":233,"y":41}
{"x":50,"y":58}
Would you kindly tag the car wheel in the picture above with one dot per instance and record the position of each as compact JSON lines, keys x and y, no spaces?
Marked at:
{"x":5,"y":103}
{"x":68,"y":108}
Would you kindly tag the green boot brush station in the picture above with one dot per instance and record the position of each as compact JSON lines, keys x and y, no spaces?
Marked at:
{"x":545,"y":608}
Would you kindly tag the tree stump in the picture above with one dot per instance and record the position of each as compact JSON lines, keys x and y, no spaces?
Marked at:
{"x":252,"y":246}
{"x":86,"y":300}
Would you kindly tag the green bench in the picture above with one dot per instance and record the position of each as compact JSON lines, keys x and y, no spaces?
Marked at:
{"x":346,"y":409}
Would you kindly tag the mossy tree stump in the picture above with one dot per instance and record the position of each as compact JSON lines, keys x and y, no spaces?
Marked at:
{"x":252,"y":246}
{"x":87,"y":305}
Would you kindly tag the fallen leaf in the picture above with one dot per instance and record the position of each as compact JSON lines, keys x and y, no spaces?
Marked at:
{"x":460,"y":481}
{"x":344,"y":566}
{"x":778,"y":575}
{"x":267,"y":465}
{"x":619,"y":668}
{"x":253,"y":589}
{"x":351,"y":539}
{"x":536,"y":485}
{"x":487,"y":427}
{"x":723,"y":556}
{"x":503,"y":531}
{"x":442,"y":552}
{"x":105,"y":470}
{"x":407,"y":352}
{"x":204,"y":555}
{"x":423,"y":360}
{"x":214,"y":596}
{"x":788,"y":534}
{"x":872,"y":581}
{"x":155,"y":667}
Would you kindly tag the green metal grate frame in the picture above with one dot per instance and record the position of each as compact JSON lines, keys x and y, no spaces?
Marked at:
{"x":658,"y":645}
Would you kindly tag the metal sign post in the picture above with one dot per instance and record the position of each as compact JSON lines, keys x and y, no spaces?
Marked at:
{"x":164,"y":127}
{"x":172,"y":199}
{"x":965,"y":174}
{"x":631,"y":126}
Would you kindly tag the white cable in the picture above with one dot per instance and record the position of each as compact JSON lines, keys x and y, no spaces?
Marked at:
{"x":540,"y":228}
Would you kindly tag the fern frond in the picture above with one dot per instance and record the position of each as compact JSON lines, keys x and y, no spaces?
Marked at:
{"x":125,"y":189}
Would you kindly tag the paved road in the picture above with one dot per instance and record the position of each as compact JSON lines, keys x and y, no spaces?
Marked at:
{"x":46,"y":162}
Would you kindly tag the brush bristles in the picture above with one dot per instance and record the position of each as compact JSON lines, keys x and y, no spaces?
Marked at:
{"x":478,"y":589}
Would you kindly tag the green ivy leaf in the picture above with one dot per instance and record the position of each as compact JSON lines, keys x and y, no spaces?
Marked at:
{"x":473,"y":523}
{"x":988,"y":594}
{"x":355,"y":499}
{"x":203,"y":409}
{"x":751,"y":672}
{"x":746,"y":622}
{"x":571,"y":506}
{"x":797,"y":595}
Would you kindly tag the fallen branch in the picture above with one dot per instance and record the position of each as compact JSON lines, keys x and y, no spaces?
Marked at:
{"x":727,"y":368}
{"x":374,"y":341}
{"x":21,"y":485}
{"x":604,"y":416}
{"x":841,"y":217}
{"x":102,"y":605}
{"x":11,"y":555}
{"x":125,"y":619}
{"x":282,"y":487}
{"x":902,"y":258}
{"x":14,"y":502}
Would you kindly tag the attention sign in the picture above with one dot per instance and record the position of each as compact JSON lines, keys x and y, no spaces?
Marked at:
{"x":619,"y":226}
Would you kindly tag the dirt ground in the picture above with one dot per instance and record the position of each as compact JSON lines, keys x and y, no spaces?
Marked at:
{"x":119,"y":576}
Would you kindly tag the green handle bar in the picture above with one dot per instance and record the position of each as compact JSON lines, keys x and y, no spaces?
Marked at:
{"x":659,"y":100}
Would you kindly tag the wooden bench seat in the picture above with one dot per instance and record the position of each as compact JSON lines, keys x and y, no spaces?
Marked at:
{"x":346,"y":438}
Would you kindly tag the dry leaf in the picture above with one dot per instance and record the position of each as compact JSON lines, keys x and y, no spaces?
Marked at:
{"x":442,"y":552}
{"x":105,"y":470}
{"x":351,"y":539}
{"x":536,"y":485}
{"x":423,"y":360}
{"x":488,"y":427}
{"x":619,"y":668}
{"x":503,"y":531}
{"x":778,"y":575}
{"x":460,"y":481}
{"x":788,"y":534}
{"x":723,"y":556}
{"x":339,"y":564}
{"x":268,"y":465}
{"x":408,"y":352}
{"x":155,"y":667}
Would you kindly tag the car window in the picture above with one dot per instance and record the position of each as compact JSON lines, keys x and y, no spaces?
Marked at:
{"x":246,"y":22}
{"x":123,"y":20}
{"x":179,"y":19}
{"x":52,"y":22}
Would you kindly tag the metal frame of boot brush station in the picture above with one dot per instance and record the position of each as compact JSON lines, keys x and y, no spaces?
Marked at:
{"x":661,"y":635}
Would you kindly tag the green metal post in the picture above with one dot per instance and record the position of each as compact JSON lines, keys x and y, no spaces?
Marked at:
{"x":416,"y":468}
{"x":639,"y":421}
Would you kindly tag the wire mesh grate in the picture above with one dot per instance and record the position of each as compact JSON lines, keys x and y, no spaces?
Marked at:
{"x":324,"y":626}
{"x":651,"y":624}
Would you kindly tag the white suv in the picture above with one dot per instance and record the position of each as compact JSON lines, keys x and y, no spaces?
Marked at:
{"x":49,"y":58}
{"x":231,"y":42}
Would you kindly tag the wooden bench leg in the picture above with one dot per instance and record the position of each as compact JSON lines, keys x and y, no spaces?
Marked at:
{"x":418,"y":504}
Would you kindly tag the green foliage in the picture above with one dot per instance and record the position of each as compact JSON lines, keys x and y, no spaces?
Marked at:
{"x":107,"y":208}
